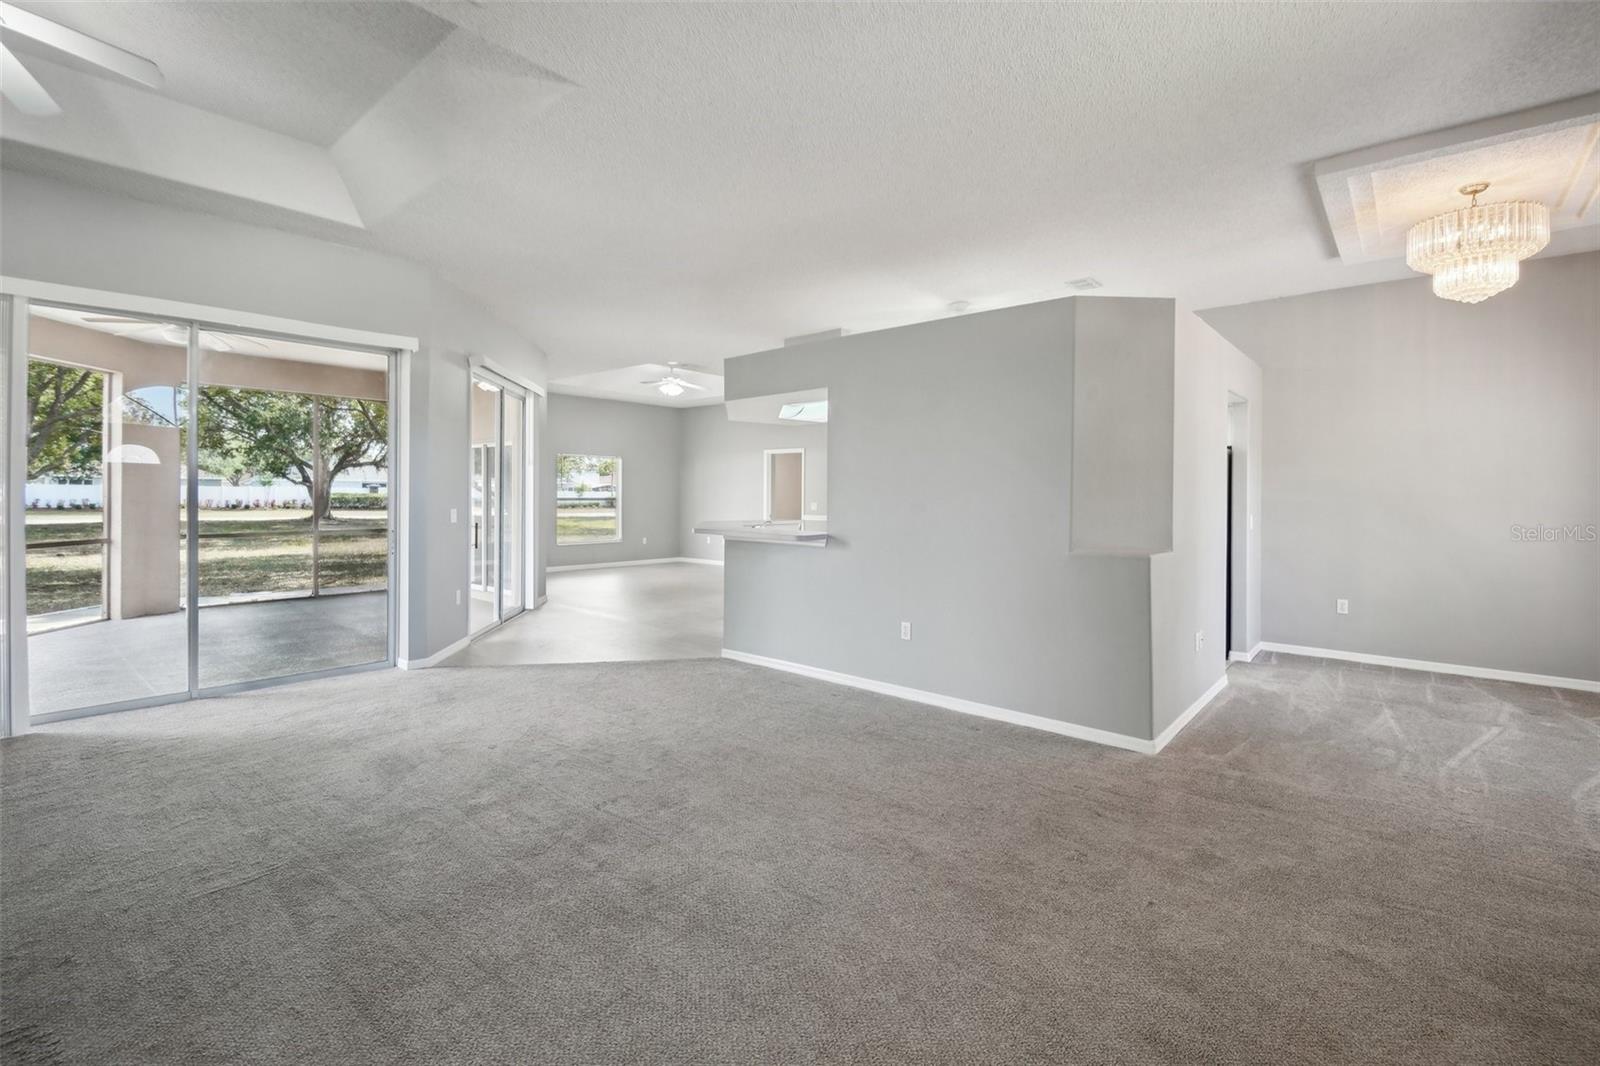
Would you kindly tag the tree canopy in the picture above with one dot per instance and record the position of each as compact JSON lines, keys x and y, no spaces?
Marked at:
{"x":265,"y":435}
{"x":65,"y":420}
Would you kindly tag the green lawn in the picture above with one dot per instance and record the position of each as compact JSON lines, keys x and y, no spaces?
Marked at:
{"x":580,"y":526}
{"x":241,"y":553}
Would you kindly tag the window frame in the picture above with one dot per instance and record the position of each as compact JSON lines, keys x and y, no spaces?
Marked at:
{"x":616,"y":481}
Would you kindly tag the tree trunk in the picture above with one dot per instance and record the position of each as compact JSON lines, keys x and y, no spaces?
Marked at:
{"x":322,"y":495}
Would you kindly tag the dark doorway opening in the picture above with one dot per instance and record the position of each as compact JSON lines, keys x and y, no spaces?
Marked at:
{"x":1227,"y":598}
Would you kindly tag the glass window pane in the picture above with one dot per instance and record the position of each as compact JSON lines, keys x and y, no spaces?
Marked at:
{"x":484,"y":546}
{"x":588,"y":499}
{"x":106,"y":425}
{"x":294,"y":523}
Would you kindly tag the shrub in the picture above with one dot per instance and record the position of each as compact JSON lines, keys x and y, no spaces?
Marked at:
{"x":359,"y":501}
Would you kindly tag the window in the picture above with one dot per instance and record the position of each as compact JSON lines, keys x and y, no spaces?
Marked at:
{"x":588,"y":499}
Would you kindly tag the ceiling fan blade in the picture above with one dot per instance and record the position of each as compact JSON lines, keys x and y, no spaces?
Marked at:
{"x":215,"y":341}
{"x":116,"y":319}
{"x":654,"y":381}
{"x":81,"y":45}
{"x":22,"y":88}
{"x":691,"y":385}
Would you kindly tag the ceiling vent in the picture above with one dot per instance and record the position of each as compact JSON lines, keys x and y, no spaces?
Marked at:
{"x":1083,"y":284}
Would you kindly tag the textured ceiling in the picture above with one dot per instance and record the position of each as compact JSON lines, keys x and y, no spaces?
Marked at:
{"x":1548,"y":154}
{"x":305,"y":69}
{"x":721,"y":176}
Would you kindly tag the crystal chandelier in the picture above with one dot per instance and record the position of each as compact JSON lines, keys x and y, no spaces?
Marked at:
{"x":1473,"y":252}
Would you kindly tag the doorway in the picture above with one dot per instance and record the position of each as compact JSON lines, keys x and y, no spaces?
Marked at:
{"x":1227,"y":593}
{"x":497,"y":550}
{"x":1239,"y":604}
{"x":205,"y":508}
{"x":785,"y":484}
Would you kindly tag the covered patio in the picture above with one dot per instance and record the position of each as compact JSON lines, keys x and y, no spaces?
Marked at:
{"x":135,"y":658}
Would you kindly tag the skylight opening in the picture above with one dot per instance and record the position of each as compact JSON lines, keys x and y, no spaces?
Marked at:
{"x":810,"y":411}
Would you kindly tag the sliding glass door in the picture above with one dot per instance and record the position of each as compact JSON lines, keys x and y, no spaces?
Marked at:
{"x":105,"y":523}
{"x":294,"y":519}
{"x":496,"y":554}
{"x":178,"y":548}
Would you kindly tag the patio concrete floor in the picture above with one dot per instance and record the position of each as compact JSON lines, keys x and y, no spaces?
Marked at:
{"x":107,"y":662}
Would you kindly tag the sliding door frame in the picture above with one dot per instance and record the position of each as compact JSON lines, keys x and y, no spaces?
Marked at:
{"x":22,"y":295}
{"x":481,"y":370}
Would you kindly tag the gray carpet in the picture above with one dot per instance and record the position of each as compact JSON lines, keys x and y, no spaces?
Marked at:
{"x":705,"y":862}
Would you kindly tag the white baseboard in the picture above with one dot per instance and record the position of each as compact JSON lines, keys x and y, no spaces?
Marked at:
{"x":981,"y":710}
{"x":434,"y":659}
{"x":1190,"y":712}
{"x":1245,"y":656}
{"x":632,"y":562}
{"x":1487,"y":673}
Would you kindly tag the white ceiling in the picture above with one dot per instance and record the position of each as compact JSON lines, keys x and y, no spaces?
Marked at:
{"x":1548,"y":154}
{"x":636,"y":384}
{"x":308,"y":70}
{"x":720,"y":176}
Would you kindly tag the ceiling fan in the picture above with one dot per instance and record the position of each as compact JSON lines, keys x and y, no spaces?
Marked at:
{"x":172,"y":333}
{"x":24,"y":90}
{"x":674,"y":383}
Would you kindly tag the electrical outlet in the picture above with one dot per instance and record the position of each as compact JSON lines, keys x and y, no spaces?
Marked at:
{"x":905,"y":630}
{"x":458,"y":597}
{"x":452,"y":516}
{"x":1342,"y":606}
{"x":708,"y":540}
{"x":644,"y":540}
{"x":1199,"y":639}
{"x":813,"y":505}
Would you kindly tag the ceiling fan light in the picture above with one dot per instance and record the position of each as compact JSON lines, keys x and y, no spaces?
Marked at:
{"x":1473,"y":252}
{"x":670,"y":388}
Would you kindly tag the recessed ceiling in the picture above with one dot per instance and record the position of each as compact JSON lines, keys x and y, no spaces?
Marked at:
{"x":713,"y":178}
{"x":1550,"y":155}
{"x":636,"y":385}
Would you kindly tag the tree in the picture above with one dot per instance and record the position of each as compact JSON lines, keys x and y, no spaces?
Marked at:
{"x":66,"y":416}
{"x":271,"y":435}
{"x":228,"y":465}
{"x":568,"y":467}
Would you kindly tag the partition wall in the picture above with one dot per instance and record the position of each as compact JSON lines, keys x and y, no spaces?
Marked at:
{"x":192,"y":507}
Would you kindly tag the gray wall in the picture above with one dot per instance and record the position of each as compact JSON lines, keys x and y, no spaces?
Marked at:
{"x":648,"y":438}
{"x":948,"y":483}
{"x":1122,"y":396}
{"x":1406,"y":437}
{"x":723,"y":476}
{"x":76,"y":236}
{"x":1188,"y":583}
